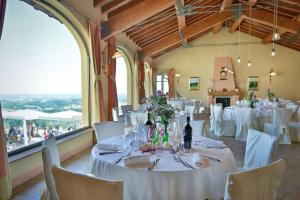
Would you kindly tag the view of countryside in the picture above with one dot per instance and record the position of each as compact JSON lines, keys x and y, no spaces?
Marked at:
{"x":31,"y":118}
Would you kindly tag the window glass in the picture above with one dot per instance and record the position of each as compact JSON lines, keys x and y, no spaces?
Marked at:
{"x":40,"y":79}
{"x":121,"y":82}
{"x":162,"y":83}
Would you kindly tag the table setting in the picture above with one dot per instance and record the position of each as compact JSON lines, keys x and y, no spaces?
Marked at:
{"x":164,"y":164}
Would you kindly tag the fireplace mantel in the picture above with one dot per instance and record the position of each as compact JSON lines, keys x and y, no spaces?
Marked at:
{"x":224,"y":93}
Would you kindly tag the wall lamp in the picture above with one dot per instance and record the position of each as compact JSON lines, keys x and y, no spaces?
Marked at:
{"x":106,"y":60}
{"x":177,"y":77}
{"x":272,"y":73}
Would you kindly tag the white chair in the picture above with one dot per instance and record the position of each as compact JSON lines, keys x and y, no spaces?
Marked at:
{"x":243,"y":123}
{"x":73,"y":186}
{"x":126,"y":109}
{"x":259,"y":148}
{"x":197,"y":104}
{"x":189,"y":109}
{"x":279,"y":126}
{"x":50,"y":156}
{"x":108,"y":129}
{"x":198,"y":128}
{"x":294,"y":130}
{"x":256,"y":184}
{"x":178,"y":105}
{"x":217,"y":120}
{"x":115,"y":114}
{"x":292,"y":107}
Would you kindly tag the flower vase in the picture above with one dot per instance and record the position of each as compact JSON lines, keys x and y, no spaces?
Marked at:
{"x":166,"y":135}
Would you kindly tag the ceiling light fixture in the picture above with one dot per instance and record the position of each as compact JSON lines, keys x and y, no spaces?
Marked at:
{"x":239,"y":48}
{"x":249,"y":44}
{"x":273,"y":53}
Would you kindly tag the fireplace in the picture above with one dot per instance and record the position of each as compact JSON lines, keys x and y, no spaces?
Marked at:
{"x":225,"y":101}
{"x":223,"y":89}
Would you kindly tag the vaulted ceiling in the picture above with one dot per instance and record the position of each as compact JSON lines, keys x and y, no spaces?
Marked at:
{"x":158,"y":26}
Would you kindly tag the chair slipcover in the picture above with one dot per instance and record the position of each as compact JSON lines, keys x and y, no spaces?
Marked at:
{"x":198,"y":127}
{"x":294,"y":129}
{"x":279,"y":126}
{"x":217,"y":122}
{"x":197,"y":105}
{"x":72,"y":186}
{"x":126,"y":109}
{"x":50,"y":156}
{"x":177,"y":105}
{"x":255,"y":184}
{"x":115,"y":114}
{"x":259,"y":148}
{"x":108,"y":129}
{"x":189,"y":109}
{"x":229,"y":128}
{"x":243,"y":123}
{"x":292,"y":107}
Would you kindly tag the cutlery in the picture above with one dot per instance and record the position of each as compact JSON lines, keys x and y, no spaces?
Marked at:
{"x":122,"y":158}
{"x":187,"y":164}
{"x":151,"y":167}
{"x":109,"y":152}
{"x":177,"y":159}
{"x":215,"y":159}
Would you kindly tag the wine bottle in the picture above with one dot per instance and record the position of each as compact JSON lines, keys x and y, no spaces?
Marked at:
{"x":150,"y":128}
{"x":187,"y":138}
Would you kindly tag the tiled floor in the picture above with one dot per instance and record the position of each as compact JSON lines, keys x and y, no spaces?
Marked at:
{"x":289,"y":189}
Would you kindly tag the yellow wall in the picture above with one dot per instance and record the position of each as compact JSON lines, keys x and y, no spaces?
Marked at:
{"x":199,"y":61}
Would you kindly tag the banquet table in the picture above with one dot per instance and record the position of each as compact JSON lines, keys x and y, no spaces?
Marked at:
{"x":169,"y":179}
{"x":260,"y":115}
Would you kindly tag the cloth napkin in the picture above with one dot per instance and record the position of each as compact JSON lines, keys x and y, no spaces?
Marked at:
{"x":108,"y":147}
{"x":137,"y":161}
{"x":210,"y":143}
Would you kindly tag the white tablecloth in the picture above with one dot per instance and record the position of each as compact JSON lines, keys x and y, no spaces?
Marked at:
{"x":260,"y":115}
{"x":169,"y":179}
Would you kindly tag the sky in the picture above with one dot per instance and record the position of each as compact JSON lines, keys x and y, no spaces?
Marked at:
{"x":38,"y":54}
{"x":121,"y":76}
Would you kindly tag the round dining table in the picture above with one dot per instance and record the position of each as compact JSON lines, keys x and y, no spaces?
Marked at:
{"x":170,"y":179}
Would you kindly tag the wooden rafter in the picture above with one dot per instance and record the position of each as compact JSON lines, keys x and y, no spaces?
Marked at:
{"x":237,"y":22}
{"x":188,"y":31}
{"x":225,"y":5}
{"x":135,"y":14}
{"x":98,"y":3}
{"x":269,"y":38}
{"x":266,"y":18}
{"x":113,"y":5}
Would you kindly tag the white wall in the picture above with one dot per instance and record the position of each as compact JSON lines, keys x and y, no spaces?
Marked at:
{"x":199,"y":61}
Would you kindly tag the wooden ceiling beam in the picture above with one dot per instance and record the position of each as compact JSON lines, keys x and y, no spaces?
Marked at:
{"x":266,"y":18}
{"x":225,"y":5}
{"x":135,"y":14}
{"x":156,"y":32}
{"x":237,"y":22}
{"x":188,"y":31}
{"x":98,"y":3}
{"x":269,"y":38}
{"x":115,"y":4}
{"x":149,"y":29}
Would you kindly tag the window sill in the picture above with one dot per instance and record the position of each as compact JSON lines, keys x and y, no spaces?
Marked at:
{"x":29,"y":152}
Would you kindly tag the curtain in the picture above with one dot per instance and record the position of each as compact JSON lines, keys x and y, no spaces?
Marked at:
{"x":171,"y":77}
{"x":2,"y":13}
{"x":5,"y":183}
{"x":96,"y":48}
{"x":141,"y":79}
{"x":112,"y":89}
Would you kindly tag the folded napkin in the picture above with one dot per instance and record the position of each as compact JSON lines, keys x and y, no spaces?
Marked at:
{"x":109,"y":147}
{"x":137,"y":161}
{"x":210,"y":143}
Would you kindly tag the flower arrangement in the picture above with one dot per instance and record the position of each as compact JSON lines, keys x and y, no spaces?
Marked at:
{"x":161,"y":113}
{"x":159,"y":109}
{"x":252,"y":99}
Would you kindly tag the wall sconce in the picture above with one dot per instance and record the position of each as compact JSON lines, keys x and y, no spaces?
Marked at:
{"x":106,"y":60}
{"x":177,"y":77}
{"x":271,"y":74}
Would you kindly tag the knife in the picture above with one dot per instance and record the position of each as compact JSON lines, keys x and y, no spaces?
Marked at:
{"x":109,"y":152}
{"x":185,"y":163}
{"x":121,"y":158}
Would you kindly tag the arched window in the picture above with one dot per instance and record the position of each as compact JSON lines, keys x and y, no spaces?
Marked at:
{"x":121,"y":81}
{"x":43,"y":85}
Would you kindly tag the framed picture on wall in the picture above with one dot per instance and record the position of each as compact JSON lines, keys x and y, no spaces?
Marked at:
{"x":252,"y":83}
{"x":194,"y":83}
